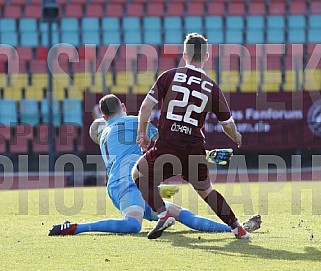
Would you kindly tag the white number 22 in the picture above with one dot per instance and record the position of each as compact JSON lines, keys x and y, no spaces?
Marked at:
{"x":183,"y":103}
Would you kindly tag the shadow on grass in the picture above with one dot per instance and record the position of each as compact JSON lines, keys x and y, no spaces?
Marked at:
{"x":242,"y":247}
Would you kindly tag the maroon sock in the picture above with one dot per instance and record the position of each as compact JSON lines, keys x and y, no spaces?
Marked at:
{"x":219,"y":205}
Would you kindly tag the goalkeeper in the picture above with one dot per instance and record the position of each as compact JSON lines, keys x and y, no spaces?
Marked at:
{"x":120,"y":152}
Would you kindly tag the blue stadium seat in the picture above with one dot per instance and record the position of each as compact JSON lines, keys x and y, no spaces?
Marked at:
{"x":234,"y":22}
{"x":29,"y":111}
{"x":153,"y":37}
{"x":173,"y":36}
{"x":111,"y":23}
{"x":255,"y":22}
{"x":90,"y":37}
{"x":193,"y":24}
{"x":56,"y":112}
{"x":72,"y":111}
{"x":90,"y":24}
{"x":10,"y":38}
{"x":152,"y":23}
{"x":131,"y":23}
{"x":315,"y":21}
{"x":8,"y":25}
{"x":44,"y":38}
{"x":314,"y":35}
{"x":111,"y":37}
{"x":27,"y":25}
{"x":275,"y":22}
{"x":132,"y":37}
{"x":172,"y":23}
{"x":275,"y":36}
{"x":29,"y":39}
{"x":8,"y":112}
{"x":296,"y":21}
{"x":215,"y":36}
{"x":255,"y":36}
{"x":69,"y":24}
{"x":213,"y":22}
{"x":296,"y":35}
{"x":70,"y":37}
{"x":234,"y":36}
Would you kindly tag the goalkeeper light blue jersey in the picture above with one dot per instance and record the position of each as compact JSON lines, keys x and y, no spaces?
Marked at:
{"x":118,"y":146}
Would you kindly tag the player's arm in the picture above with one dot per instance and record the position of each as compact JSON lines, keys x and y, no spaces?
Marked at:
{"x":143,"y":121}
{"x":230,"y":129}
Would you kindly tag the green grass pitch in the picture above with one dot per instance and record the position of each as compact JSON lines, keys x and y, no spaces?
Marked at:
{"x":290,"y":237}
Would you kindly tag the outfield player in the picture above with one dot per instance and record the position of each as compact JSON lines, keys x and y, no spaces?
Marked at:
{"x":186,"y":95}
{"x":120,"y":152}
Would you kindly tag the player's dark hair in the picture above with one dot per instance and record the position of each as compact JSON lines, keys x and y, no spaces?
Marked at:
{"x":196,"y":47}
{"x":109,"y":105}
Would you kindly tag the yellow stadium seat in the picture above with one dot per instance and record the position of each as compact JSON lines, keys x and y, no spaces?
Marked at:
{"x":141,"y":89}
{"x":312,"y":79}
{"x":40,"y":80}
{"x":34,"y":92}
{"x":3,"y":79}
{"x":290,"y":81}
{"x":270,"y":87}
{"x":125,"y":78}
{"x":58,"y":93}
{"x":82,"y":80}
{"x":12,"y":93}
{"x":211,"y":74}
{"x":61,"y":79}
{"x":146,"y":78}
{"x":119,"y":89}
{"x":20,"y":80}
{"x":74,"y":92}
{"x":250,"y":81}
{"x":272,"y":76}
{"x":229,"y":81}
{"x":99,"y":79}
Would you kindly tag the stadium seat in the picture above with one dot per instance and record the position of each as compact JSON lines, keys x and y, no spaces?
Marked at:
{"x":234,"y":36}
{"x":40,"y":140}
{"x":13,"y":92}
{"x":213,"y":22}
{"x":173,"y":36}
{"x":89,"y":24}
{"x":175,"y":9}
{"x":114,"y":10}
{"x":215,"y":36}
{"x":172,"y":23}
{"x":7,"y":25}
{"x":257,"y":8}
{"x":215,"y":9}
{"x":255,"y":36}
{"x":132,"y":37}
{"x":277,"y":8}
{"x":111,"y":37}
{"x":8,"y":112}
{"x":56,"y":112}
{"x":155,"y":9}
{"x":73,"y":11}
{"x":296,"y":21}
{"x":250,"y":81}
{"x":74,"y":92}
{"x":110,"y":24}
{"x":34,"y":92}
{"x":131,"y":23}
{"x":5,"y":135}
{"x":296,"y":35}
{"x":275,"y":22}
{"x":29,"y":111}
{"x":90,"y":37}
{"x":12,"y":11}
{"x":196,"y":9}
{"x":70,"y":37}
{"x":315,"y":7}
{"x":27,"y":25}
{"x":312,"y":79}
{"x":66,"y":138}
{"x":95,"y":10}
{"x":314,"y":35}
{"x":292,"y":78}
{"x":153,"y":37}
{"x":275,"y":36}
{"x":297,"y":8}
{"x":72,"y":111}
{"x":29,"y":39}
{"x":236,"y":9}
{"x":135,"y":9}
{"x":124,"y":78}
{"x":22,"y":135}
{"x":10,"y":38}
{"x":152,"y":23}
{"x":315,"y":21}
{"x":193,"y":24}
{"x":44,"y":34}
{"x":33,"y":11}
{"x":255,"y":22}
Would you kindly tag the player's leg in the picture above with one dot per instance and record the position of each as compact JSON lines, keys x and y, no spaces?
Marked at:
{"x":193,"y":221}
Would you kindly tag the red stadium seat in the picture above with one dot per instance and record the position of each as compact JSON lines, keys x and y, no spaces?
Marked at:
{"x":33,"y":11}
{"x":74,"y":10}
{"x":24,"y":53}
{"x":23,"y":134}
{"x":38,"y":66}
{"x":18,"y":2}
{"x":83,"y":2}
{"x":35,"y":2}
{"x":236,"y":9}
{"x":166,"y":63}
{"x":175,"y":9}
{"x":216,"y":9}
{"x":95,"y":10}
{"x":5,"y":134}
{"x":155,"y":9}
{"x":98,"y":2}
{"x":298,"y":8}
{"x":196,"y":9}
{"x":41,"y":52}
{"x":66,"y":138}
{"x":40,"y":140}
{"x":135,"y":9}
{"x":257,"y":8}
{"x":277,"y":8}
{"x":88,"y":52}
{"x":23,"y":66}
{"x":81,"y":66}
{"x":12,"y":12}
{"x":114,"y":10}
{"x":315,"y":7}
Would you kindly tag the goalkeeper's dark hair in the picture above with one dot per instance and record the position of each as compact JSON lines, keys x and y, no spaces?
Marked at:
{"x":110,"y":105}
{"x":195,"y":46}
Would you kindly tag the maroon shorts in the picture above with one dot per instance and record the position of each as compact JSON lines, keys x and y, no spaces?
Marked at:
{"x":160,"y":164}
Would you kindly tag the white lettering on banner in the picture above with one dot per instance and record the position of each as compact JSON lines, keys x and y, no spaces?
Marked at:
{"x":181,"y":128}
{"x":258,"y":127}
{"x":272,"y":114}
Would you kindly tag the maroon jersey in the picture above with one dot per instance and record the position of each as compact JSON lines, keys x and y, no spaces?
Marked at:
{"x":186,"y":94}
